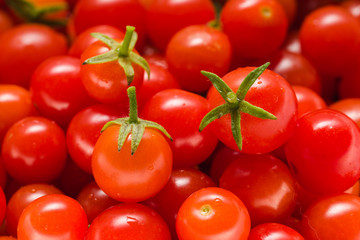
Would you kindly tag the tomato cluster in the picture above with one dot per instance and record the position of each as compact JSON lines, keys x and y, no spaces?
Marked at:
{"x":189,"y":120}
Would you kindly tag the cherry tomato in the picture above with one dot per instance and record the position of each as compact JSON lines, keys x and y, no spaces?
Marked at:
{"x":126,"y":177}
{"x":55,"y":217}
{"x":353,"y":7}
{"x":350,"y":107}
{"x":274,"y":231}
{"x":94,"y":200}
{"x":22,"y":198}
{"x":25,"y":47}
{"x":129,"y":221}
{"x":182,"y":183}
{"x":270,"y":92}
{"x":15,"y":104}
{"x":264,"y":184}
{"x":323,"y":151}
{"x":57,"y":90}
{"x":166,"y":17}
{"x":308,"y":100}
{"x":256,"y":28}
{"x":330,"y":39}
{"x":332,"y":217}
{"x":290,"y":7}
{"x":213,"y":213}
{"x":34,"y":150}
{"x":5,"y":21}
{"x":84,"y":129}
{"x":173,"y":108}
{"x":195,"y":48}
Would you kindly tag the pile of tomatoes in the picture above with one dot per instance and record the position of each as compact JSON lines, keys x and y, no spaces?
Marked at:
{"x":189,"y":120}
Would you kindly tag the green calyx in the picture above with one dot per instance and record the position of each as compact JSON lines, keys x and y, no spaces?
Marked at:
{"x":133,"y":124}
{"x":235,"y":103}
{"x":121,"y":52}
{"x":32,"y":13}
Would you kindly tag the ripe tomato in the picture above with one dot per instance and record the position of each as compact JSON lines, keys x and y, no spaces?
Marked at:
{"x":22,"y":198}
{"x":26,"y":46}
{"x":131,"y":178}
{"x":274,"y":231}
{"x":5,"y":21}
{"x":323,"y":151}
{"x":332,"y":217}
{"x":195,"y":48}
{"x":308,"y":100}
{"x":34,"y":150}
{"x":270,"y":92}
{"x":213,"y":213}
{"x":350,"y":107}
{"x":256,"y":28}
{"x":55,"y":217}
{"x":129,"y":221}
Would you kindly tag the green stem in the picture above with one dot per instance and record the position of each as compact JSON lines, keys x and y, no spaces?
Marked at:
{"x":133,"y":113}
{"x":124,"y":49}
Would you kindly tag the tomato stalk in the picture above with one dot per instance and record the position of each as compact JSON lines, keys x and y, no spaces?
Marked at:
{"x":122,"y":52}
{"x":133,"y":124}
{"x":235,"y":103}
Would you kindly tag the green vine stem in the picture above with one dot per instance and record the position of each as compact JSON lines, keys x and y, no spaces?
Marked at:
{"x":133,"y":124}
{"x":235,"y":103}
{"x":122,"y":52}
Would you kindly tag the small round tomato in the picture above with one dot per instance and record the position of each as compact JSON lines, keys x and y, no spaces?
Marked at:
{"x":323,"y":151}
{"x":274,"y":231}
{"x":350,"y":107}
{"x":308,"y":100}
{"x":129,"y":221}
{"x":332,"y":217}
{"x":126,"y":177}
{"x":55,"y":217}
{"x":22,"y":198}
{"x":34,"y":150}
{"x":195,"y":48}
{"x":211,"y":214}
{"x":270,"y":92}
{"x":25,"y":47}
{"x":353,"y":7}
{"x":256,"y":28}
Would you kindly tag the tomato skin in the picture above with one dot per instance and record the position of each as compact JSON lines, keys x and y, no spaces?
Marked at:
{"x":85,"y":128}
{"x":182,"y":183}
{"x":2,"y":205}
{"x":106,"y":82}
{"x":350,"y":107}
{"x":15,"y":104}
{"x":332,"y":217}
{"x":165,"y":17}
{"x":22,"y":198}
{"x":331,"y":46}
{"x":53,"y":217}
{"x":196,"y":48}
{"x":84,"y":39}
{"x":271,"y":199}
{"x":323,"y":152}
{"x":172,"y":108}
{"x":34,"y":150}
{"x":27,"y":45}
{"x":131,"y":221}
{"x":274,"y":231}
{"x":308,"y":100}
{"x":270,"y":92}
{"x":57,"y":91}
{"x":228,"y":218}
{"x":263,"y":21}
{"x":131,"y":178}
{"x":5,"y":21}
{"x":117,"y":13}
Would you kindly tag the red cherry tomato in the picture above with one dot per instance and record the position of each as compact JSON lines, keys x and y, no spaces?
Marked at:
{"x":308,"y":100}
{"x":213,"y":213}
{"x":274,"y":231}
{"x":195,"y":48}
{"x":166,"y":17}
{"x":353,"y":7}
{"x":34,"y":150}
{"x":54,"y":216}
{"x":57,"y":91}
{"x":129,"y":221}
{"x":332,"y":217}
{"x":5,"y":21}
{"x":126,"y":177}
{"x":350,"y":107}
{"x":323,"y":151}
{"x":270,"y":92}
{"x":173,"y":108}
{"x":256,"y":28}
{"x":25,"y":47}
{"x":264,"y":184}
{"x":22,"y":198}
